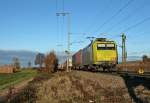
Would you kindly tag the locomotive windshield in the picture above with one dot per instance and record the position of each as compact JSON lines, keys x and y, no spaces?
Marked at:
{"x":109,"y":46}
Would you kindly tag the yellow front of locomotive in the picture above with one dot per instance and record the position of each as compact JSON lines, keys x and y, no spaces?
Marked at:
{"x":105,"y":53}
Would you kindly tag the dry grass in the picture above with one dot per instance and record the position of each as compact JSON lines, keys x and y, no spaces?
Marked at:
{"x":78,"y":87}
{"x":82,"y":87}
{"x":142,"y":93}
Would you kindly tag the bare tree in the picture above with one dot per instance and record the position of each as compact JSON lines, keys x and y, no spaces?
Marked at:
{"x":29,"y":64}
{"x":145,"y":57}
{"x":51,"y":62}
{"x":16,"y":64}
{"x":39,"y":60}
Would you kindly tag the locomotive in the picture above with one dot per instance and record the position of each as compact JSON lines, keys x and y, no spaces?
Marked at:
{"x":101,"y":53}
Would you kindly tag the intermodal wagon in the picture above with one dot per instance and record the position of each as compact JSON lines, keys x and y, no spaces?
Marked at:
{"x":77,"y":60}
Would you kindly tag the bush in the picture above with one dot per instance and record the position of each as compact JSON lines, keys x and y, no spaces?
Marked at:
{"x":145,"y":57}
{"x":39,"y":59}
{"x":16,"y":64}
{"x":51,"y":62}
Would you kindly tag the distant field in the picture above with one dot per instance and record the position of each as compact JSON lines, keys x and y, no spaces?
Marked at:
{"x":7,"y":80}
{"x":134,"y":66}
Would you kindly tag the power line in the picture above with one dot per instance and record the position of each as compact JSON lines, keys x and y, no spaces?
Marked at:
{"x":140,"y":34}
{"x":56,"y":5}
{"x":63,"y":16}
{"x":113,"y":16}
{"x":125,"y":18}
{"x":60,"y":20}
{"x":135,"y":25}
{"x":93,"y":24}
{"x":57,"y":26}
{"x":57,"y":22}
{"x":63,"y":3}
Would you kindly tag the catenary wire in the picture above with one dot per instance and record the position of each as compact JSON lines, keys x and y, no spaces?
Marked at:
{"x":113,"y":16}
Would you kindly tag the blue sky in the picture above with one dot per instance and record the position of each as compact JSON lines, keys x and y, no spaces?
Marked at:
{"x":32,"y":24}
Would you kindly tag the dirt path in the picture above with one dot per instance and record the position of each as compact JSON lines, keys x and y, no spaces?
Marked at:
{"x":16,"y":88}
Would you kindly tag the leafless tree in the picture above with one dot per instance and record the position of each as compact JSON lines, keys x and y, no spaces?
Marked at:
{"x":29,"y":64}
{"x":145,"y":57}
{"x":51,"y":62}
{"x":39,"y":60}
{"x":16,"y":64}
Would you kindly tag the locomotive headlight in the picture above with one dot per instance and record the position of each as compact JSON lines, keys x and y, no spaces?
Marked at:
{"x":114,"y":60}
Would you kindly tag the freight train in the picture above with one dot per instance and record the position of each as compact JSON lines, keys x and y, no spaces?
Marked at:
{"x":99,"y":54}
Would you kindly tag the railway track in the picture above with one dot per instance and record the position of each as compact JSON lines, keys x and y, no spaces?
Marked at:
{"x":125,"y":74}
{"x":133,"y":74}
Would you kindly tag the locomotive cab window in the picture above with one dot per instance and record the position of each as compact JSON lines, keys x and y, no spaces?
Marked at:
{"x":105,"y":46}
{"x":101,"y":46}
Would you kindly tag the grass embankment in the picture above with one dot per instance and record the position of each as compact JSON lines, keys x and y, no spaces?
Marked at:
{"x":74,"y":87}
{"x":6,"y":80}
{"x":83,"y":87}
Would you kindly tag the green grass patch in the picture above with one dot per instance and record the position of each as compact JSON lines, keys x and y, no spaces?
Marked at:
{"x":6,"y":80}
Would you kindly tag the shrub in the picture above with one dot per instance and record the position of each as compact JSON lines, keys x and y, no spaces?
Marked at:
{"x":16,"y":64}
{"x":145,"y":57}
{"x":51,"y":62}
